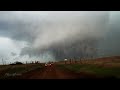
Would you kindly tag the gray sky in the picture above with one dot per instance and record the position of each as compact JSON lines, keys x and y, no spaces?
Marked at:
{"x":54,"y":35}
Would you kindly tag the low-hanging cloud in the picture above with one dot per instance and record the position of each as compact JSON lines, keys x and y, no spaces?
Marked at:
{"x":57,"y":34}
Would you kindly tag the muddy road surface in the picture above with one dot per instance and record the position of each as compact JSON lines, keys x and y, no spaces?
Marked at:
{"x":51,"y":72}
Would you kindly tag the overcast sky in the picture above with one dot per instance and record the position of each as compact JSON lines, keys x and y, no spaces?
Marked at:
{"x":54,"y":35}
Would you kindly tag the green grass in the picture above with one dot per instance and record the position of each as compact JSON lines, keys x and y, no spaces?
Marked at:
{"x":94,"y":69}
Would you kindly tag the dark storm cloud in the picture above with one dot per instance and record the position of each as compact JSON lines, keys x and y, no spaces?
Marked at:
{"x":110,"y":43}
{"x":16,"y":30}
{"x":62,"y":34}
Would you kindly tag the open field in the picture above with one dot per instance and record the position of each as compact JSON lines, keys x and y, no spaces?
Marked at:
{"x":108,"y":67}
{"x":11,"y":71}
{"x":101,"y":67}
{"x":97,"y":71}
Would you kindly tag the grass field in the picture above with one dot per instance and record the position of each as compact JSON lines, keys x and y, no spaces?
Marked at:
{"x":104,"y":67}
{"x":101,"y":67}
{"x":93,"y":69}
{"x":8,"y":71}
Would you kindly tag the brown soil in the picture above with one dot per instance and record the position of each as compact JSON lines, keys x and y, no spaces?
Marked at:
{"x":54,"y":72}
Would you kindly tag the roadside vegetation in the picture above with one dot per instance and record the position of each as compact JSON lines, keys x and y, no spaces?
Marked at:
{"x":108,"y":67}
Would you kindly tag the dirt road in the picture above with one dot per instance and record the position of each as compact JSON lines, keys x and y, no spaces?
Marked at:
{"x":52,"y":72}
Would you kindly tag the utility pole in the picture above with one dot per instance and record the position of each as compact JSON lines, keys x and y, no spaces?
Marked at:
{"x":2,"y":61}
